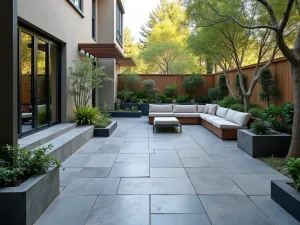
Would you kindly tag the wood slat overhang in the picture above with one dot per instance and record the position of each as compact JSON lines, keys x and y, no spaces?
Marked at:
{"x":125,"y":62}
{"x":101,"y":50}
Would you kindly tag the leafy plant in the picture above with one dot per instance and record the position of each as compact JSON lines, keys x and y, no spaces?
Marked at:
{"x":86,"y":115}
{"x":171,"y":90}
{"x":228,"y":101}
{"x":101,"y":125}
{"x":140,"y":94}
{"x":237,"y":107}
{"x":191,"y":83}
{"x":84,"y":78}
{"x":261,"y":127}
{"x":182,"y":98}
{"x":268,"y":88}
{"x":42,"y":115}
{"x":150,"y":89}
{"x":162,"y":97}
{"x":203,"y":99}
{"x":214,"y":94}
{"x":130,"y":81}
{"x":288,"y":111}
{"x":168,"y":100}
{"x":9,"y":177}
{"x":293,"y":169}
{"x":255,"y":112}
{"x":118,"y":104}
{"x":222,"y":86}
{"x":125,"y":95}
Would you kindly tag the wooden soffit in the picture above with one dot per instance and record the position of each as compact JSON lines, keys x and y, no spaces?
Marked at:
{"x":101,"y":50}
{"x":125,"y":62}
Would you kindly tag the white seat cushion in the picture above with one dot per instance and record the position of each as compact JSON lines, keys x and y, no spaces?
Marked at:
{"x":187,"y":115}
{"x":184,"y":108}
{"x":201,"y":108}
{"x":208,"y":117}
{"x":212,"y":118}
{"x":166,"y":121}
{"x":157,"y":114}
{"x":224,"y":124}
{"x":222,"y":112}
{"x":203,"y":115}
{"x":160,"y":108}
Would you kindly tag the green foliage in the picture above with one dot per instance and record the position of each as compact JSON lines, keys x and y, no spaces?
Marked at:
{"x":125,"y":95}
{"x":130,"y":81}
{"x":214,"y":94}
{"x":293,"y":169}
{"x":168,"y":100}
{"x":222,"y":86}
{"x":171,"y":90}
{"x":162,"y":97}
{"x":261,"y":127}
{"x":150,"y":89}
{"x":268,"y":88}
{"x":86,"y":115}
{"x":26,"y":164}
{"x":228,"y":101}
{"x":118,"y":104}
{"x":140,"y":94}
{"x":42,"y":115}
{"x":191,"y":83}
{"x":287,"y":111}
{"x":84,"y":78}
{"x":153,"y":101}
{"x":255,"y":112}
{"x":237,"y":107}
{"x":237,"y":84}
{"x":101,"y":125}
{"x":182,"y":98}
{"x":203,"y":99}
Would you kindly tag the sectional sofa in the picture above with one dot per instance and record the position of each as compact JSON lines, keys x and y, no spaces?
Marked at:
{"x":223,"y":122}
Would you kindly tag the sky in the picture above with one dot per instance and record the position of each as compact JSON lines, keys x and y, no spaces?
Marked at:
{"x":137,"y":14}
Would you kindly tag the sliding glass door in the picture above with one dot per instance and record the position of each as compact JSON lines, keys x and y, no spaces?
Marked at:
{"x":38,"y":83}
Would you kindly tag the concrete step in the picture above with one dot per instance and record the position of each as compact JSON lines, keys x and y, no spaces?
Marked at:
{"x":35,"y":140}
{"x":67,"y":144}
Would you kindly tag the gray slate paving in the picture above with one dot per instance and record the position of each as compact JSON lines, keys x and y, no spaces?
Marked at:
{"x":130,"y":170}
{"x":180,"y":219}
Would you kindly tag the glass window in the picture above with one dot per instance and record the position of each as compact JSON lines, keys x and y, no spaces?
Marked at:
{"x":119,"y":25}
{"x":77,"y":3}
{"x":94,"y":19}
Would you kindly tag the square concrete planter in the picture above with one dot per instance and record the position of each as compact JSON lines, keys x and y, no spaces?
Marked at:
{"x":105,"y":132}
{"x":263,"y":145}
{"x":287,"y":197}
{"x":24,"y":204}
{"x":137,"y":114}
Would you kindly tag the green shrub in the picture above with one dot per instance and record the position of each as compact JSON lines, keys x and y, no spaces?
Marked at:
{"x":191,"y":83}
{"x":171,"y":90}
{"x":222,"y":86}
{"x":143,"y":101}
{"x":228,"y":101}
{"x":255,"y":112}
{"x":134,"y":99}
{"x":287,"y":111}
{"x":140,"y":94}
{"x":87,"y":115}
{"x":293,"y":169}
{"x":130,"y":81}
{"x":237,"y":107}
{"x":101,"y":125}
{"x":182,"y":98}
{"x":162,"y":97}
{"x":203,"y":99}
{"x":168,"y":100}
{"x":117,"y":104}
{"x":42,"y":115}
{"x":261,"y":127}
{"x":268,"y":88}
{"x":214,"y":94}
{"x":153,"y":101}
{"x":150,"y":89}
{"x":10,"y":177}
{"x":125,"y":95}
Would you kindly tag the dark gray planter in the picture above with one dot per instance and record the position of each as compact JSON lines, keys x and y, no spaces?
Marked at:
{"x":137,"y":114}
{"x":287,"y":197}
{"x":105,"y":132}
{"x":24,"y":204}
{"x":263,"y":145}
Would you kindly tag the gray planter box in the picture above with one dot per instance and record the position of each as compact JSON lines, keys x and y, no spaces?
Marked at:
{"x":105,"y":132}
{"x":287,"y":197}
{"x":126,"y":114}
{"x":263,"y":145}
{"x":24,"y":204}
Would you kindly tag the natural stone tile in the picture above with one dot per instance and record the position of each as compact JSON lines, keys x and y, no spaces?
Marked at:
{"x":92,"y":186}
{"x":120,"y":210}
{"x":136,"y":139}
{"x":68,"y":210}
{"x":155,"y":186}
{"x":67,"y":174}
{"x":137,"y":151}
{"x":176,"y":204}
{"x":187,"y":146}
{"x":214,"y":184}
{"x":133,"y":158}
{"x":161,"y":145}
{"x":198,"y":162}
{"x":93,"y":172}
{"x":102,"y":160}
{"x":192,"y":154}
{"x":135,"y":145}
{"x":203,"y":170}
{"x":130,"y":170}
{"x":165,"y":159}
{"x":179,"y":219}
{"x":233,"y":210}
{"x":77,"y":161}
{"x":167,"y":172}
{"x":109,"y":149}
{"x":90,"y":147}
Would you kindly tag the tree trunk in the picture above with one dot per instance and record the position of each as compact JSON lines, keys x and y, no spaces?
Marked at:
{"x":246,"y":103}
{"x":295,"y":144}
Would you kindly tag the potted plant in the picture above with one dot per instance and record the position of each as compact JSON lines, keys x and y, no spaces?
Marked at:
{"x":286,"y":193}
{"x":29,"y":182}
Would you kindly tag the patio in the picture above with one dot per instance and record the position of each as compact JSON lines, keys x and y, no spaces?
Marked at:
{"x":136,"y":177}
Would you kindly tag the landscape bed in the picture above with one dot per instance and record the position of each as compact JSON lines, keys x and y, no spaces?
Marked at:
{"x":105,"y":132}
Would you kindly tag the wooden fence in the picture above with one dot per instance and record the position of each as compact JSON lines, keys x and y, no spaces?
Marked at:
{"x":280,"y":68}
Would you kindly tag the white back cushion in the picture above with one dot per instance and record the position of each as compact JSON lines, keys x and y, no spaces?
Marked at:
{"x":213,"y":109}
{"x":241,"y":118}
{"x":222,"y":112}
{"x":160,"y":108}
{"x":230,"y":115}
{"x":201,"y":108}
{"x":206,"y":108}
{"x":184,"y":108}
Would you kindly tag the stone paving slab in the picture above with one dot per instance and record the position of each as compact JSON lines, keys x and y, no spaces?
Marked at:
{"x":102,"y":160}
{"x":130,"y":170}
{"x":132,"y":158}
{"x":167,"y":172}
{"x":93,"y":172}
{"x":179,"y":219}
{"x":198,"y":162}
{"x":77,"y":161}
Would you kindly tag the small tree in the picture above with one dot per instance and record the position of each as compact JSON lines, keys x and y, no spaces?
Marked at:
{"x":130,"y":81}
{"x":171,"y":90}
{"x":84,"y":77}
{"x":191,"y":83}
{"x":222,"y":86}
{"x":237,"y":85}
{"x":268,"y":88}
{"x":150,"y":89}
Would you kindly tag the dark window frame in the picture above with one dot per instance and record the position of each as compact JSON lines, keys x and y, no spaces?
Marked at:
{"x":94,"y":11}
{"x":119,"y":24}
{"x":79,"y":8}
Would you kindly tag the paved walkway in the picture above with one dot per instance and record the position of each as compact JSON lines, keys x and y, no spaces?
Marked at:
{"x":136,"y":177}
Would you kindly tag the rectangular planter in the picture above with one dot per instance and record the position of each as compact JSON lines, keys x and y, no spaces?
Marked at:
{"x":287,"y":197}
{"x":105,"y":132}
{"x":24,"y":204}
{"x":126,"y":114}
{"x":263,"y":145}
